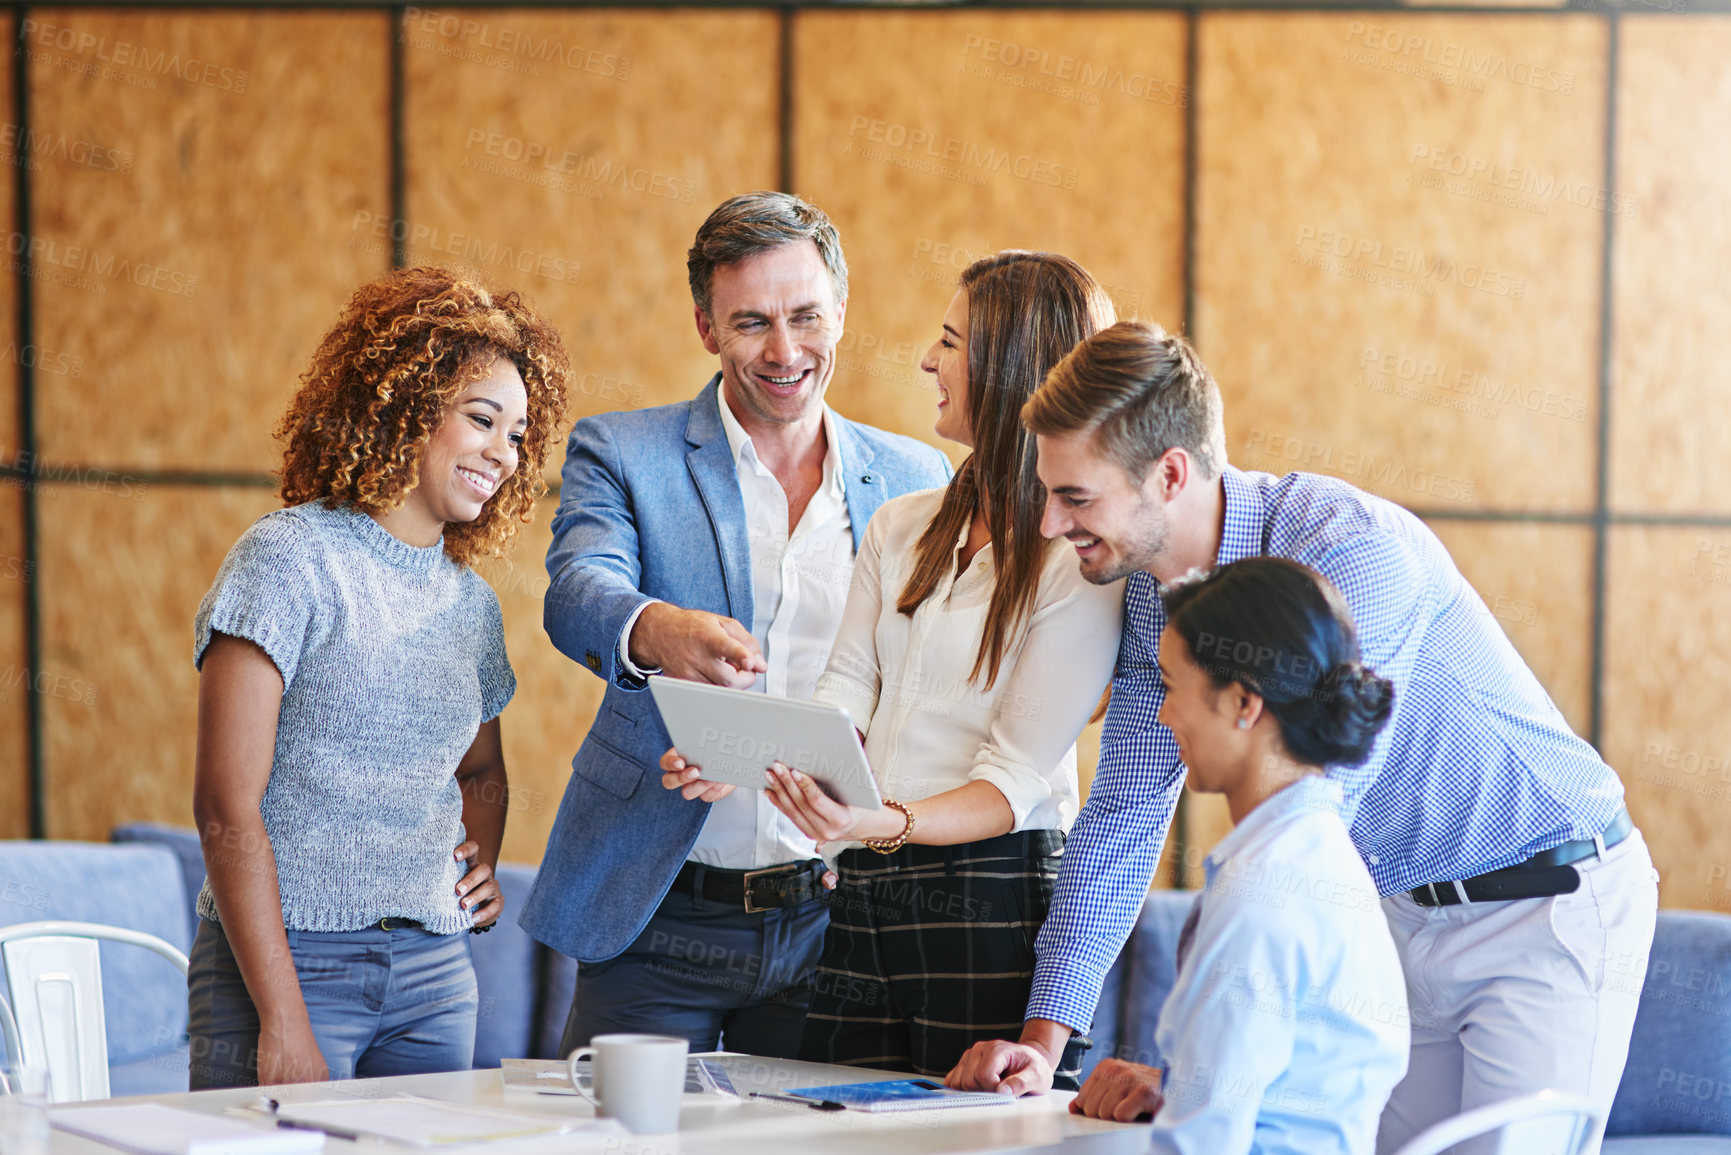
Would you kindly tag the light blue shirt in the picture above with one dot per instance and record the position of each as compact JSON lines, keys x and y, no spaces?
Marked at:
{"x":1287,"y":1027}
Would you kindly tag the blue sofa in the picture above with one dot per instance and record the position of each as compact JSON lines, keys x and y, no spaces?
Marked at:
{"x":1674,"y":1099}
{"x":513,"y":971}
{"x":1675,"y":1096}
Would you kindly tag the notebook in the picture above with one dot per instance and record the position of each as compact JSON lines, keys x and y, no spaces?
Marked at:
{"x":152,"y":1129}
{"x":900,"y":1095}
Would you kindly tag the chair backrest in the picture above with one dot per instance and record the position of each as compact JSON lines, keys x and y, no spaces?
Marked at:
{"x":138,"y":887}
{"x":1546,"y":1123}
{"x":54,"y":984}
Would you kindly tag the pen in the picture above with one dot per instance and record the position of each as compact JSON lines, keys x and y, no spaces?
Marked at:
{"x":814,"y":1104}
{"x":290,"y":1125}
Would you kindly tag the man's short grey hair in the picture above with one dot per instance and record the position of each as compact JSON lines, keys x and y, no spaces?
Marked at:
{"x":755,"y":222}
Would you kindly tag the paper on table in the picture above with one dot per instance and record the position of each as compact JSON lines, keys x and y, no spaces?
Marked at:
{"x":429,"y":1122}
{"x":152,"y":1129}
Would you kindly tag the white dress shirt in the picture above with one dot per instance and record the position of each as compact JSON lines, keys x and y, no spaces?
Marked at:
{"x":799,"y":584}
{"x":1287,"y":1028}
{"x":905,"y":680}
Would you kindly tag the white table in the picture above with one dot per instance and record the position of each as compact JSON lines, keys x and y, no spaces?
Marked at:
{"x":747,"y":1127}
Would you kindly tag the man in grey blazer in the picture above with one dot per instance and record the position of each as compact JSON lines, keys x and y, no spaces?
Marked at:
{"x":711,"y":540}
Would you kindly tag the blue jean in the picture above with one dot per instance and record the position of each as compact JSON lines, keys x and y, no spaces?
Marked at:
{"x":382,"y":1002}
{"x":708,"y":972}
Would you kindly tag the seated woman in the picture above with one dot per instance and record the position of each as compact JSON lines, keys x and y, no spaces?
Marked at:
{"x":350,"y":789}
{"x":1287,"y":1027}
{"x":970,"y":655}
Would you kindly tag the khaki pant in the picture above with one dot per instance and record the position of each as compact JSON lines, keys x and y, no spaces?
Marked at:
{"x":1509,"y":998}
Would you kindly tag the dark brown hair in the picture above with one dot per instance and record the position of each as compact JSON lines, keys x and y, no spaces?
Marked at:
{"x":1025,"y":311}
{"x":1140,"y":391}
{"x":755,"y":222}
{"x":1284,"y":632}
{"x":382,"y":380}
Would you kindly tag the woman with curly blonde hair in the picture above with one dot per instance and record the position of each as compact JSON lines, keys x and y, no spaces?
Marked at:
{"x":350,"y":787}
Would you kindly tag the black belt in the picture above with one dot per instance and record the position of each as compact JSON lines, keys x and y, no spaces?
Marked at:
{"x":757,"y":890}
{"x":1545,"y":874}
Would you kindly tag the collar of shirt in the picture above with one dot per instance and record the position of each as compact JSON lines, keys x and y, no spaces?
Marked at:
{"x":1311,"y":792}
{"x":1241,"y":536}
{"x":745,"y":453}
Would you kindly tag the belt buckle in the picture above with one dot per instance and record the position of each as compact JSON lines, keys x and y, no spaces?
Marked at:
{"x":752,"y":876}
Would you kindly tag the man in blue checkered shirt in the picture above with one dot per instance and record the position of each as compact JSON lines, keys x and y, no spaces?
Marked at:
{"x":1513,"y":881}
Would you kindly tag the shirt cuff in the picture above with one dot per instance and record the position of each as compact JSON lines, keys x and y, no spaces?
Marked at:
{"x":625,"y":662}
{"x":1065,"y":998}
{"x":1022,"y":795}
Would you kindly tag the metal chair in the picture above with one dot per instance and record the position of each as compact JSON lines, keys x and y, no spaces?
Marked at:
{"x":54,"y":979}
{"x":1546,"y":1123}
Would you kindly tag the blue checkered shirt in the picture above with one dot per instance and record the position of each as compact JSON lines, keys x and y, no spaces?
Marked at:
{"x":1477,"y":769}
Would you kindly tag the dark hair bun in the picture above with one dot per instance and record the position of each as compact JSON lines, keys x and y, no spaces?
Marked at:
{"x":1353,"y":705}
{"x":1284,"y":631}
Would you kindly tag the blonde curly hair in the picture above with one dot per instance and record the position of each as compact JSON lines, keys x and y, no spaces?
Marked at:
{"x":382,"y":380}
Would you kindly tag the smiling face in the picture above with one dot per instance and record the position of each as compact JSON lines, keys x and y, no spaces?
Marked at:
{"x":474,"y":450}
{"x":774,"y":321}
{"x":947,"y":360}
{"x":1117,"y":526}
{"x":1202,"y":716}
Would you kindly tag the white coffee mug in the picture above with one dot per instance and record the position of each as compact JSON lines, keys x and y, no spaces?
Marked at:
{"x":638,"y":1080}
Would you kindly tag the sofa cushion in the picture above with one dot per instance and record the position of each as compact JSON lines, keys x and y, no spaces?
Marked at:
{"x":1138,"y":983}
{"x":507,"y":966}
{"x":1678,"y":1077}
{"x":136,"y":887}
{"x":183,"y":840}
{"x":558,"y":986}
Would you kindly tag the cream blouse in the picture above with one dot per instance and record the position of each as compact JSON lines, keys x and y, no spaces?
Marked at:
{"x":904,"y":681}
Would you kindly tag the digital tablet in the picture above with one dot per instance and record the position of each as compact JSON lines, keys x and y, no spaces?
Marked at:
{"x":734,"y":735}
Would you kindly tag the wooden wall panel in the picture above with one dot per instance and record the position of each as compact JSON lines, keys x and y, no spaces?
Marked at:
{"x":15,"y":572}
{"x":196,"y":264}
{"x":556,"y":698}
{"x":937,"y":138}
{"x":123,"y":567}
{"x":1537,"y":582}
{"x":582,"y":182}
{"x":15,"y":155}
{"x":1406,"y":299}
{"x":1671,"y":406}
{"x":1667,"y":662}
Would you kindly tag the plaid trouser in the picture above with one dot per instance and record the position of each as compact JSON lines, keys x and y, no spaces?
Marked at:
{"x":931,"y":950}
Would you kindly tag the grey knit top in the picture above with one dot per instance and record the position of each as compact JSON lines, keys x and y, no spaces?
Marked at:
{"x":391,"y":656}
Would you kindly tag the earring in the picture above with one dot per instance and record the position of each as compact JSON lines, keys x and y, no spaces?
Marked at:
{"x":1244,"y":723}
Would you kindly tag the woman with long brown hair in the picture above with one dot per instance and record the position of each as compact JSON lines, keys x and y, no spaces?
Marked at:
{"x":970,"y":656}
{"x":350,"y":787}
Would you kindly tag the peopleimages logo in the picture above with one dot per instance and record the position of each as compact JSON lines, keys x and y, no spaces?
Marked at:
{"x":1368,"y":253}
{"x":511,"y":42}
{"x":898,"y":143}
{"x":1073,"y":76}
{"x":125,"y":54}
{"x":1496,"y":175}
{"x":1464,"y":63}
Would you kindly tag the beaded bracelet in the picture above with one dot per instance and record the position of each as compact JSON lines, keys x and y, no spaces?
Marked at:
{"x":891,"y":845}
